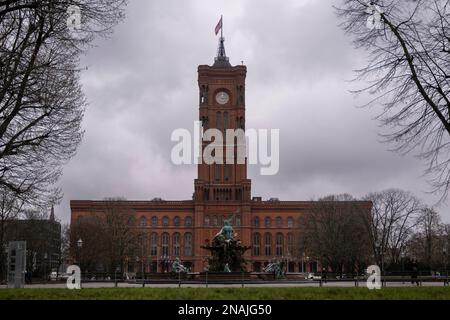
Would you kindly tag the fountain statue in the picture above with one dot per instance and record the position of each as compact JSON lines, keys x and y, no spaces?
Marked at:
{"x":226,"y":251}
{"x":277,"y":268}
{"x":177,"y":266}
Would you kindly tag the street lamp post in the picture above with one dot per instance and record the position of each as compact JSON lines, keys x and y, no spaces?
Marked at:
{"x":80,"y":245}
{"x":303,"y":262}
{"x":117,"y":269}
{"x":46,"y":276}
{"x":444,"y":252}
{"x":379,"y":249}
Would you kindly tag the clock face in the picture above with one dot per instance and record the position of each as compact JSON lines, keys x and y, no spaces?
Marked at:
{"x":222,"y":97}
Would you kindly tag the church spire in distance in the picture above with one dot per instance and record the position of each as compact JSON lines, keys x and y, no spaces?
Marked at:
{"x":221,"y":60}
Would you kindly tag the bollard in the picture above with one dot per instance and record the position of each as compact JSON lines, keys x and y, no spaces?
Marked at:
{"x":320,"y":283}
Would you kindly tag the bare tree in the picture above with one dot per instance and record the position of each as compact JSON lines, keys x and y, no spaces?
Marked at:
{"x":41,"y":102}
{"x":110,"y":237}
{"x":409,"y":75}
{"x":92,"y":254}
{"x":391,"y":224}
{"x":123,"y":238}
{"x":334,"y":233}
{"x":431,"y":240}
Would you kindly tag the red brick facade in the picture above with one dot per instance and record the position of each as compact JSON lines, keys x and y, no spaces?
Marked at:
{"x":180,"y":228}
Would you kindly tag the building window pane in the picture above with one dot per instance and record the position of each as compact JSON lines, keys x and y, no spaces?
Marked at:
{"x":219,"y":121}
{"x":268,"y":244}
{"x":290,"y":240}
{"x":131,"y":221}
{"x":154,"y":244}
{"x":165,"y":244}
{"x":176,"y":221}
{"x":217,"y":173}
{"x":238,"y":221}
{"x":206,"y":221}
{"x":225,"y":120}
{"x":176,"y":244}
{"x":188,"y":244}
{"x":227,"y":172}
{"x":256,"y":222}
{"x":267,"y":222}
{"x":256,"y":244}
{"x":279,"y":222}
{"x":154,"y":221}
{"x":290,"y":222}
{"x":143,"y":222}
{"x":165,"y":221}
{"x":188,"y":222}
{"x":215,"y":221}
{"x":279,"y":244}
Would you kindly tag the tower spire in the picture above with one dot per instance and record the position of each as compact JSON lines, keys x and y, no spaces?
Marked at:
{"x":221,"y":60}
{"x":52,"y":214}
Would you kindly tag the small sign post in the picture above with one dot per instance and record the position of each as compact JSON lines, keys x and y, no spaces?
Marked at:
{"x":17,"y":261}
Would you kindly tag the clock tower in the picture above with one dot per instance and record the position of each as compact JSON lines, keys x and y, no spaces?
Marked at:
{"x":222,"y":107}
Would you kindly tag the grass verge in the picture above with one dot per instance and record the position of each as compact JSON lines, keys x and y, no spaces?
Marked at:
{"x":422,"y":293}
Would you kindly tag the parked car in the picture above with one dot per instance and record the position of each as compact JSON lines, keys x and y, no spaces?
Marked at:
{"x":312,"y":276}
{"x":53,"y":276}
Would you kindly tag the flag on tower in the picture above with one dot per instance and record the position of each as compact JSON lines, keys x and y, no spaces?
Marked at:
{"x":219,"y":26}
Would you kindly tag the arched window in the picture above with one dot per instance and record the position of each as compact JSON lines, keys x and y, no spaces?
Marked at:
{"x":154,"y":221}
{"x":176,"y":244}
{"x":279,"y":244}
{"x":154,"y":244}
{"x":206,"y":222}
{"x":268,"y":245}
{"x":215,"y":222}
{"x":256,"y":222}
{"x":256,"y":244}
{"x":238,"y":221}
{"x":188,"y":244}
{"x":131,"y":221}
{"x":290,"y":222}
{"x":267,"y":222}
{"x":143,"y":222}
{"x":176,"y":221}
{"x":279,"y":222}
{"x":165,"y":244}
{"x":165,"y":221}
{"x":290,"y":240}
{"x":188,"y":222}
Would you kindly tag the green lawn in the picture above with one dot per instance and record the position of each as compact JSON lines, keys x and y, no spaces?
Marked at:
{"x":433,"y":293}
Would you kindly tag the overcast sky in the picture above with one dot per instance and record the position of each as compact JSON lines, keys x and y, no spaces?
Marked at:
{"x":142,"y":84}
